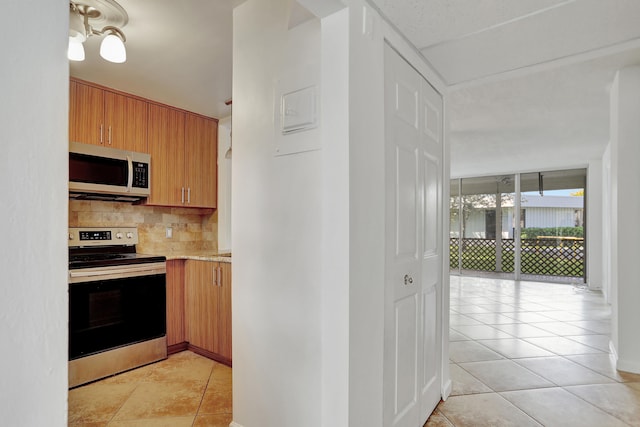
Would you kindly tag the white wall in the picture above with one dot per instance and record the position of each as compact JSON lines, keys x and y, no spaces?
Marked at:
{"x":33,"y":253}
{"x":594,"y":225}
{"x":625,"y":202}
{"x":335,"y":224}
{"x":224,"y":185}
{"x":308,"y":297}
{"x":366,"y":216}
{"x":368,"y":33}
{"x":606,"y":224}
{"x":277,"y":228}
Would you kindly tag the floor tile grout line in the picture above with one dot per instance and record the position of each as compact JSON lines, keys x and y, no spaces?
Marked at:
{"x":206,"y":386}
{"x":595,"y":406}
{"x":124,"y":402}
{"x":591,"y":369}
{"x":553,"y":353}
{"x":530,"y":415}
{"x":482,"y":382}
{"x":588,"y":345}
{"x":569,"y":360}
{"x":445,"y":417}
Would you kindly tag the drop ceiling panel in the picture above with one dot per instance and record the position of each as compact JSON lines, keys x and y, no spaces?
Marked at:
{"x":429,"y":22}
{"x":575,"y":27}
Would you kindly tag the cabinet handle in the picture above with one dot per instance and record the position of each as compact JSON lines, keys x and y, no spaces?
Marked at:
{"x":182,"y":195}
{"x":219,"y":276}
{"x":101,"y":130}
{"x":189,"y":195}
{"x":109,"y":135}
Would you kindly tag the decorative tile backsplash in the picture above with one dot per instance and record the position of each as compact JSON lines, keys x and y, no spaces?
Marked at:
{"x":193,"y":229}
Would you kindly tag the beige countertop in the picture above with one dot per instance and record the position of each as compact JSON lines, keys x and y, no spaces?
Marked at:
{"x":199,"y":256}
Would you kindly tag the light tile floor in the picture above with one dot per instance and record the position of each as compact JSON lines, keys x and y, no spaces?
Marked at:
{"x":532,"y":354}
{"x":184,"y":390}
{"x":522,"y":354}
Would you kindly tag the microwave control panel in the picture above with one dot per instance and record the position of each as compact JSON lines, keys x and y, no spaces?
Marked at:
{"x":140,"y":175}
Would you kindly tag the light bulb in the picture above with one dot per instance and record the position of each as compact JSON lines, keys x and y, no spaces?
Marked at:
{"x":112,"y":49}
{"x":75,"y":52}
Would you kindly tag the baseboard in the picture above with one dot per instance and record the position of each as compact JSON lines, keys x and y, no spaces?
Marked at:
{"x":613,"y":351}
{"x":209,"y":355}
{"x":235,"y":424}
{"x":177,"y":348}
{"x":446,"y":389}
{"x":632,"y":366}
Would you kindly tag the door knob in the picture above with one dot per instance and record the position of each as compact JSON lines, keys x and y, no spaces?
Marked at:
{"x":408,"y":280}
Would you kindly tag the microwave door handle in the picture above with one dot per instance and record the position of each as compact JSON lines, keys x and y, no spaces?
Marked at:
{"x":130,"y":177}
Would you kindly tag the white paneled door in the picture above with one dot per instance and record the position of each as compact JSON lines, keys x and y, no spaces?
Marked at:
{"x":413,"y":278}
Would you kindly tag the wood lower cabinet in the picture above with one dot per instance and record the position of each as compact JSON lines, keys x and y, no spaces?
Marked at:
{"x":208,"y":308}
{"x":224,"y":311}
{"x":176,"y":333}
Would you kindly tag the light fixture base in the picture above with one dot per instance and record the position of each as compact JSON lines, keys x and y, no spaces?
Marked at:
{"x":103,"y":12}
{"x":97,"y":17}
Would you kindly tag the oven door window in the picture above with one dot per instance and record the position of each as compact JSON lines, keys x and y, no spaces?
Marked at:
{"x":113,"y":313}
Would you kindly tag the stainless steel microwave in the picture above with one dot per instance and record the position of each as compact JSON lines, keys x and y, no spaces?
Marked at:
{"x":104,"y":173}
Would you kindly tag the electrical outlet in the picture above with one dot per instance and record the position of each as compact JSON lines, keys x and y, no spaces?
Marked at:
{"x":169,"y":233}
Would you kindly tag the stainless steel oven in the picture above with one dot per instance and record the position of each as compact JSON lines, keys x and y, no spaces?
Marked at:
{"x":117,"y":304}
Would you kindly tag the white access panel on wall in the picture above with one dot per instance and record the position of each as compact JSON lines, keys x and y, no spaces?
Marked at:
{"x":298,"y":110}
{"x":296,"y":99}
{"x":413,"y":278}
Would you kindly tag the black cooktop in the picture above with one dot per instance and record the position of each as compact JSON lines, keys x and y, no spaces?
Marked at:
{"x":108,"y":256}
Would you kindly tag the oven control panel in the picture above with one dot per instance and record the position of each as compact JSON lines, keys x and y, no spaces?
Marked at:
{"x":102,"y":236}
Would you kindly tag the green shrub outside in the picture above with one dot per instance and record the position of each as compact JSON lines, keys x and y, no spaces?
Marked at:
{"x":534,"y":232}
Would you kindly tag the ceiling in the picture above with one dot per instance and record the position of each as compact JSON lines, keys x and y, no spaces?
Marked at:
{"x":178,"y":53}
{"x":528,"y":80}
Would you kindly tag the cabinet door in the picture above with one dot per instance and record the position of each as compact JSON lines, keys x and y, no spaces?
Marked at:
{"x":175,"y":302}
{"x":166,"y":146}
{"x":125,"y":122}
{"x":224,"y":311}
{"x":86,"y":113}
{"x":201,"y":135}
{"x":202,"y":324}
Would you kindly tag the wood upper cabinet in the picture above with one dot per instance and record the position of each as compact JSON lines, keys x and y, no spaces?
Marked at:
{"x":183,"y":148}
{"x":201,"y":155}
{"x":125,"y":122}
{"x":208,"y":307}
{"x":166,"y":146}
{"x":183,"y":145}
{"x":102,"y":117}
{"x":86,"y":113}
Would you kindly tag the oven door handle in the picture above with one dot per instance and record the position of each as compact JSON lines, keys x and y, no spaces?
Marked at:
{"x":107,"y":273}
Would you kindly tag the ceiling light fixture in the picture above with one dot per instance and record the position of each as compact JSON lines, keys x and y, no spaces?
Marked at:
{"x":85,"y":16}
